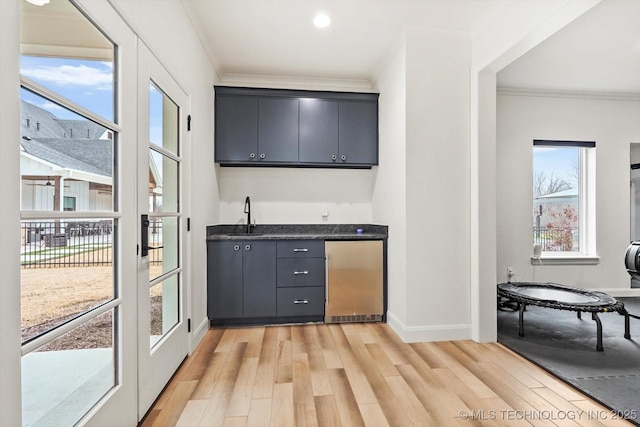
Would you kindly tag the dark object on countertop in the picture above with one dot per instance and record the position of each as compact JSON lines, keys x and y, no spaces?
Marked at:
{"x":247,"y":210}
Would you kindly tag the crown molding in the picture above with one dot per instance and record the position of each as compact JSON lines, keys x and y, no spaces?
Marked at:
{"x":291,"y":82}
{"x":551,"y":93}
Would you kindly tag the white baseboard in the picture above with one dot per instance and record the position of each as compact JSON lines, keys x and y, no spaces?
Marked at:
{"x":621,"y":292}
{"x":410,"y":334}
{"x":198,"y":333}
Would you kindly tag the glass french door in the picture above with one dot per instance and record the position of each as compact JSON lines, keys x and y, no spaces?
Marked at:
{"x":162,"y":325}
{"x":77,"y":223}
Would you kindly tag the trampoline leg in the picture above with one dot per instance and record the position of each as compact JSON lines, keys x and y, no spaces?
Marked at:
{"x":595,"y":317}
{"x":521,"y":320}
{"x":579,"y":315}
{"x":627,"y":332}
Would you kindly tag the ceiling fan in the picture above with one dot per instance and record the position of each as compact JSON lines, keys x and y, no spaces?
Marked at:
{"x":37,"y":183}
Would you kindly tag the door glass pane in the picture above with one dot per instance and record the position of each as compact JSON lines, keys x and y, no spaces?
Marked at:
{"x":164,"y":300}
{"x":64,"y":52}
{"x":67,"y":69}
{"x":62,"y":154}
{"x":163,"y":183}
{"x":67,"y":269}
{"x":163,"y":236}
{"x":62,"y":380}
{"x":163,"y":120}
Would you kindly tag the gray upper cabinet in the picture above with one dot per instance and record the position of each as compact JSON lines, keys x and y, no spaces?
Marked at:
{"x":277,"y":130}
{"x":318,"y":131}
{"x":357,"y":127}
{"x":279,"y":127}
{"x":236,"y":128}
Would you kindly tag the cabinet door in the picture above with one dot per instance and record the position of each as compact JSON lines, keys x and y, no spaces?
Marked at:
{"x":259,"y":279}
{"x":358,"y":132}
{"x":318,"y":131}
{"x":236,"y":128}
{"x":278,"y":130}
{"x":224,"y":280}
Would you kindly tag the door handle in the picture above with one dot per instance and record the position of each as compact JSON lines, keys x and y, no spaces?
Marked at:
{"x":144,"y":237}
{"x":296,"y":273}
{"x":301,"y":301}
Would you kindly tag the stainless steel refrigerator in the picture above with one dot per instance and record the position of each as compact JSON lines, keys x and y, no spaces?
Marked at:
{"x":355,"y":276}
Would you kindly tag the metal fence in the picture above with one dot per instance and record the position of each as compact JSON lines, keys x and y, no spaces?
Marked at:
{"x":52,"y":243}
{"x":556,"y":239}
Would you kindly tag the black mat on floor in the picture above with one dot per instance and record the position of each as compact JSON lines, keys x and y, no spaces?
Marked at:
{"x":564,"y":345}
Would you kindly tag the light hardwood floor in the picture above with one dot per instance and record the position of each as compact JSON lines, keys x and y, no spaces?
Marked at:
{"x":362,"y":375}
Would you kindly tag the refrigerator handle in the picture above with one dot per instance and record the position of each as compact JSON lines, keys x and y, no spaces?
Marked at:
{"x":326,"y":280}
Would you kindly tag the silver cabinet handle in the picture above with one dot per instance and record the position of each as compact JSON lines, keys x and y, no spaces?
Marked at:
{"x":300,"y":272}
{"x":252,"y":155}
{"x":236,"y":248}
{"x":301,"y":301}
{"x":262,"y":156}
{"x":343,"y":157}
{"x":300,"y":250}
{"x":326,"y":280}
{"x":247,"y":248}
{"x":334,"y":157}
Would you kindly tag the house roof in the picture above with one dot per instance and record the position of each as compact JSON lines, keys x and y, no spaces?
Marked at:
{"x":87,"y":155}
{"x":69,"y":144}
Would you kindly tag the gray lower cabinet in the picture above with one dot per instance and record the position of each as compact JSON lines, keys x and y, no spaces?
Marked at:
{"x":300,"y":278}
{"x":241,"y":279}
{"x":301,"y":301}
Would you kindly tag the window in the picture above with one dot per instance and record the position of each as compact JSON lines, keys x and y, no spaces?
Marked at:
{"x":564,"y":198}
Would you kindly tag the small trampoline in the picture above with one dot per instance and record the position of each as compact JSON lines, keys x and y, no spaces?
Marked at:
{"x":561,"y":297}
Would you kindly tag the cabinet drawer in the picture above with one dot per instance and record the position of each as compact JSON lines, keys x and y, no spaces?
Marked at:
{"x":301,"y":272}
{"x":301,"y":301}
{"x":301,"y":249}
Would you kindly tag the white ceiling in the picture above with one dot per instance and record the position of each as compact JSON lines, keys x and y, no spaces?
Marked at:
{"x":600,"y":51}
{"x":277,"y":37}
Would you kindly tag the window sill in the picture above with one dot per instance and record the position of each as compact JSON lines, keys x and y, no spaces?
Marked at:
{"x":566,"y":260}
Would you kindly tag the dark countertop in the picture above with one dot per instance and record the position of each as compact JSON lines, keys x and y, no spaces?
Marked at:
{"x":298,"y":232}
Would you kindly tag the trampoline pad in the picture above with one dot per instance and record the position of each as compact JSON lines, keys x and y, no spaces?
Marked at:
{"x":555,"y":293}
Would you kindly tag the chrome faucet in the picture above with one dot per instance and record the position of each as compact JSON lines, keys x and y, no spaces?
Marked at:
{"x":247,"y":210}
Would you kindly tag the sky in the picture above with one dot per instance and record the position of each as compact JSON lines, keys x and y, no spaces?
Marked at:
{"x":87,"y":83}
{"x":560,"y":161}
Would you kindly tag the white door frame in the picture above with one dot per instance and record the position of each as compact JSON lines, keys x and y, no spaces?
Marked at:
{"x":157,"y":365}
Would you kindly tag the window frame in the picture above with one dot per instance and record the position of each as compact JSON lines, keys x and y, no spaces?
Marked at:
{"x":587,"y":254}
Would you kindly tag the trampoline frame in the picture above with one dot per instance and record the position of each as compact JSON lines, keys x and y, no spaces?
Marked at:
{"x":605,"y":304}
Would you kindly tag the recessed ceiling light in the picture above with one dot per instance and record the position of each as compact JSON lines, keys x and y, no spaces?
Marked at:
{"x":39,"y":2}
{"x":322,"y":20}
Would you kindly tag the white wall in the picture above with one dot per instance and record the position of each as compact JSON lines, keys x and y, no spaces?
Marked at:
{"x":296,"y":196}
{"x":437,"y":179}
{"x":613,"y":124}
{"x":389,"y":194}
{"x":422,"y":187}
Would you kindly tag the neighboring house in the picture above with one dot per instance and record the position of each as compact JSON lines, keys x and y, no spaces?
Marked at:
{"x":555,"y":220}
{"x":66,"y":164}
{"x":554,"y":203}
